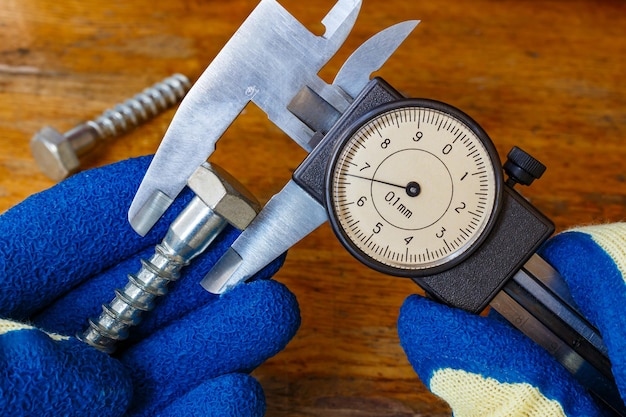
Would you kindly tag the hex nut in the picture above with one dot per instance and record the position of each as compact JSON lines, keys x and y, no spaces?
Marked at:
{"x":54,"y":154}
{"x":226,"y":196}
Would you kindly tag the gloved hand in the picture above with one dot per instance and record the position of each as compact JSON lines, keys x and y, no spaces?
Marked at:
{"x":482,"y":366}
{"x":62,"y":254}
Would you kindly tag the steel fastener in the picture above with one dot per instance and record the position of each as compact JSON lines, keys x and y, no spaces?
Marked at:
{"x":220,"y":200}
{"x":57,"y":154}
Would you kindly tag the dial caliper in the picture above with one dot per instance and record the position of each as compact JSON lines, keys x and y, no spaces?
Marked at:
{"x":411,"y":187}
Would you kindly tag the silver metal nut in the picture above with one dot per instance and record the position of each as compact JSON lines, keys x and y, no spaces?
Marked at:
{"x":54,"y":154}
{"x":226,"y":196}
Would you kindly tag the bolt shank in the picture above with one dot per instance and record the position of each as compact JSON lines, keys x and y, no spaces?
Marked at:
{"x":82,"y":138}
{"x":193,"y":231}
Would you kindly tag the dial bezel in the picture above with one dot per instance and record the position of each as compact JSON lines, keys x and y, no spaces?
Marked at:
{"x":347,"y":135}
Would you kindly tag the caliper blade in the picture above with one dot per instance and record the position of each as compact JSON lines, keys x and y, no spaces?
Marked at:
{"x":370,"y":57}
{"x":270,"y":43}
{"x":288,"y":217}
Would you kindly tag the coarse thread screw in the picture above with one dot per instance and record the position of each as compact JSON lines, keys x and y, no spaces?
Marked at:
{"x":219,"y":200}
{"x":57,"y":154}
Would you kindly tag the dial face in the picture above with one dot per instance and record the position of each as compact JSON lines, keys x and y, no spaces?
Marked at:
{"x":414,"y":187}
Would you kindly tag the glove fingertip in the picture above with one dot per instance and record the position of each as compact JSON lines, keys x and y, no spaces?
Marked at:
{"x":428,"y":334}
{"x":271,"y":304}
{"x":432,"y":334}
{"x":229,"y":395}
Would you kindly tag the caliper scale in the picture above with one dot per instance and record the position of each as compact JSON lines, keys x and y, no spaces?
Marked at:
{"x":414,"y":188}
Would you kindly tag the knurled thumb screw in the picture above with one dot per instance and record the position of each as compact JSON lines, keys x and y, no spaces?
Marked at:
{"x":57,"y":154}
{"x":220,"y":200}
{"x":522,"y":168}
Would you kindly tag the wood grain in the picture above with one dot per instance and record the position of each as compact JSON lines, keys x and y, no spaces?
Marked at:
{"x":546,"y":76}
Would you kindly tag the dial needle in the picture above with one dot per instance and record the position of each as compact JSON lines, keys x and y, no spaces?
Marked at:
{"x":412,"y":189}
{"x":375,"y":180}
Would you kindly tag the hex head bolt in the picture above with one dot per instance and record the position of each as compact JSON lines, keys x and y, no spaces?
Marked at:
{"x":57,"y":154}
{"x":219,"y":200}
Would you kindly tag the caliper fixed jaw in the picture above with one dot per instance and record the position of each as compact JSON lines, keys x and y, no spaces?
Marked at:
{"x":269,"y":42}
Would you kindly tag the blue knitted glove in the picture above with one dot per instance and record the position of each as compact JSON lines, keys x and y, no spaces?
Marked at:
{"x":482,"y":366}
{"x":62,"y":254}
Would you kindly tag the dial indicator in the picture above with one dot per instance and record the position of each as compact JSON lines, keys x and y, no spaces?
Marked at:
{"x":413,"y":187}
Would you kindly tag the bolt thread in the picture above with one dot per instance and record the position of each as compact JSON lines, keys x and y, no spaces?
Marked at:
{"x":137,"y":296}
{"x":142,"y":107}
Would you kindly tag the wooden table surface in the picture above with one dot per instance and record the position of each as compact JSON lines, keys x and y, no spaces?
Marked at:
{"x":546,"y":76}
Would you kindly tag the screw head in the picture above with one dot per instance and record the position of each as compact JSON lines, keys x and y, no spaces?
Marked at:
{"x":54,"y":154}
{"x":226,"y":196}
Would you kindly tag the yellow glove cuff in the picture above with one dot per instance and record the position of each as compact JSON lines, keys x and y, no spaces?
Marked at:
{"x":472,"y":395}
{"x":7,"y":326}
